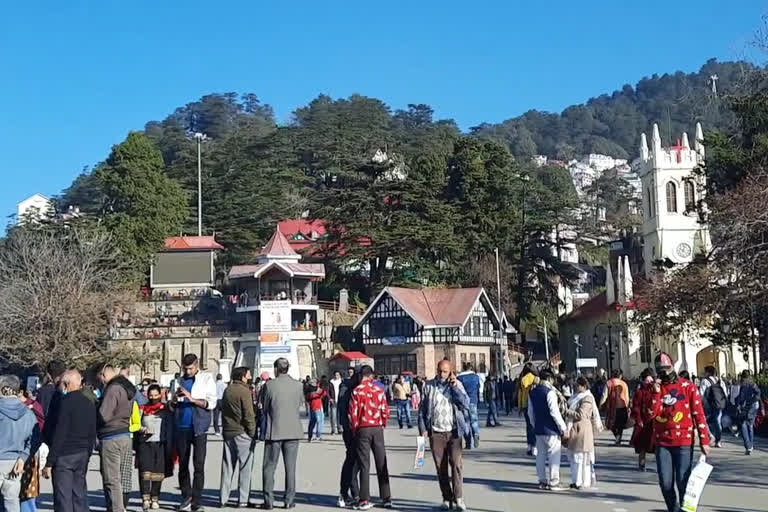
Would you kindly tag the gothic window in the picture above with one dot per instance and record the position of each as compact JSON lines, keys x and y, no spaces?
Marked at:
{"x":690,"y":195}
{"x":649,"y":198}
{"x":671,"y":197}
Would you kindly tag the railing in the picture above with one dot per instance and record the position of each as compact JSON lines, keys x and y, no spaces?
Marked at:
{"x":332,"y":305}
{"x":245,"y":301}
{"x":142,"y":333}
{"x":182,"y":295}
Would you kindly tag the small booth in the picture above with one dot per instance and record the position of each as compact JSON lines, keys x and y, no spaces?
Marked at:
{"x":343,"y":360}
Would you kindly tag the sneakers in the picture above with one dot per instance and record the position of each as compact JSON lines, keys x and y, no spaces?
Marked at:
{"x":575,"y":487}
{"x":186,"y":505}
{"x":447,"y":505}
{"x":556,"y":487}
{"x":145,"y":505}
{"x":341,"y":503}
{"x":535,"y":452}
{"x":529,"y":452}
{"x":543,"y":486}
{"x":365,"y":505}
{"x":477,"y":441}
{"x":719,"y":444}
{"x":155,"y":504}
{"x":460,"y":504}
{"x":388,"y":504}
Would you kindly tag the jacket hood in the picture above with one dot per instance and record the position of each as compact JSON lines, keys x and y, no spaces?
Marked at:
{"x":12,"y":408}
{"x":126,"y":384}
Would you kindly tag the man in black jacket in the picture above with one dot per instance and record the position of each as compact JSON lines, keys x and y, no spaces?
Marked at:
{"x":73,"y":438}
{"x":350,"y":470}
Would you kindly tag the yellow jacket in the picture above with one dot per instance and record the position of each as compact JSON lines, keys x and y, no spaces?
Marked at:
{"x":526,"y":383}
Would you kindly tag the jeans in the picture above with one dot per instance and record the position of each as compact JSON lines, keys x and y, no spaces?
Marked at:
{"x":70,"y":491}
{"x":493,"y":415}
{"x":714,"y":419}
{"x":217,"y":417}
{"x":9,"y":487}
{"x":474,"y":426}
{"x":272,"y":451}
{"x":549,"y":451}
{"x":508,"y":403}
{"x":350,"y":470}
{"x":316,"y":423}
{"x":333,"y":414}
{"x":113,"y":451}
{"x":372,"y":439}
{"x":447,"y":453}
{"x":237,"y":456}
{"x":673,"y":464}
{"x":748,"y":433}
{"x":186,"y":441}
{"x":530,"y":436}
{"x":403,"y":414}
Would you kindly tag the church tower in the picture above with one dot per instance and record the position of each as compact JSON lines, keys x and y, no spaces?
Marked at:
{"x":671,"y":191}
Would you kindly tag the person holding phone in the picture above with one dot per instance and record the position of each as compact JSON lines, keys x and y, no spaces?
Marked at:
{"x":443,"y":416}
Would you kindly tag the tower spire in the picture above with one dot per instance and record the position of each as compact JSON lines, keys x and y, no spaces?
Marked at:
{"x":699,"y":143}
{"x":656,"y":138}
{"x":686,"y":145}
{"x":643,"y":147}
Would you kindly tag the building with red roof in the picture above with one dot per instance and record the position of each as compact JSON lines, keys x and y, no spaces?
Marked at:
{"x":185,"y":264}
{"x":412,"y":330}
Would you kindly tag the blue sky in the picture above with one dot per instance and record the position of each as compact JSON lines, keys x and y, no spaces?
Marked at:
{"x":76,"y":76}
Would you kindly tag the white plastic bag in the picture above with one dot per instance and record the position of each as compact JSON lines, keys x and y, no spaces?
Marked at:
{"x":696,"y":483}
{"x":421,"y":444}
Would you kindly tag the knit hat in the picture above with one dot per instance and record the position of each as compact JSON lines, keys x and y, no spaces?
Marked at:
{"x":265,"y":376}
{"x":663,"y":360}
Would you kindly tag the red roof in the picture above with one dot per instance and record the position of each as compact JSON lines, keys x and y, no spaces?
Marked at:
{"x":596,"y":306}
{"x":186,"y":243}
{"x":278,"y":246}
{"x":350,"y":356}
{"x":308,"y":231}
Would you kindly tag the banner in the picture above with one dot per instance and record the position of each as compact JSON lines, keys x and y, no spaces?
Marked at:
{"x":275,"y":316}
{"x":269,"y":354}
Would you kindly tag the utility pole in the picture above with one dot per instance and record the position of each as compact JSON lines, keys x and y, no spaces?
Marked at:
{"x":521,"y":266}
{"x":503,"y":341}
{"x":546,"y":339}
{"x":200,"y":137}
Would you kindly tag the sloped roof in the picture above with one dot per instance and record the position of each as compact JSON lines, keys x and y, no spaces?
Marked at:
{"x":350,"y":356}
{"x":433,"y":307}
{"x":596,"y":306}
{"x":292,"y":269}
{"x":185,"y":243}
{"x":278,"y":245}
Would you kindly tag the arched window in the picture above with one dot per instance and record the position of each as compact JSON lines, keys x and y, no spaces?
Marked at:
{"x":690,"y":195}
{"x":671,"y":197}
{"x":649,"y":199}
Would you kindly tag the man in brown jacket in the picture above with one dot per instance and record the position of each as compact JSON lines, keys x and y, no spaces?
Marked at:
{"x":239,"y":429}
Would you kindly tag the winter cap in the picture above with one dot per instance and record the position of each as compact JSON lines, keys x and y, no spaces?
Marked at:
{"x":265,"y":376}
{"x":663,"y":360}
{"x":9,"y":385}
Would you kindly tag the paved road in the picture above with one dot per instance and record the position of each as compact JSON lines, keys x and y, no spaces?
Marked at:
{"x":498,"y":477}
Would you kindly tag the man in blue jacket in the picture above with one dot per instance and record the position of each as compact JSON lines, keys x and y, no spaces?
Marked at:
{"x":471,"y":383}
{"x":16,"y":426}
{"x":549,"y":426}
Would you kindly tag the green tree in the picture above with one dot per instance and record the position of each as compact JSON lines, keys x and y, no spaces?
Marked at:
{"x":142,"y":206}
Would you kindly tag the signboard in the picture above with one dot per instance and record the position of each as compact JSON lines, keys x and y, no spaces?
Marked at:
{"x":393,"y":340}
{"x":269,"y":354}
{"x":586,"y":362}
{"x":275,"y":316}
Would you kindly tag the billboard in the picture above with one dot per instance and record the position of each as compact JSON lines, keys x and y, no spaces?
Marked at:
{"x":275,"y":316}
{"x":269,"y":354}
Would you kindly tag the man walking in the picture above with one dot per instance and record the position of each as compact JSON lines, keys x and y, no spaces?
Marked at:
{"x":349,"y":493}
{"x":676,"y":413}
{"x":333,"y":402}
{"x":748,"y":404}
{"x":192,"y":403}
{"x":114,"y":418}
{"x":508,"y":388}
{"x":282,"y":398}
{"x":17,"y":424}
{"x":471,"y":384}
{"x":617,"y":397}
{"x":73,"y":438}
{"x":528,"y":378}
{"x":714,"y":401}
{"x":549,"y":427}
{"x":239,"y":426}
{"x":401,"y":392}
{"x":489,"y":395}
{"x":220,"y":387}
{"x":368,"y":415}
{"x":441,"y":417}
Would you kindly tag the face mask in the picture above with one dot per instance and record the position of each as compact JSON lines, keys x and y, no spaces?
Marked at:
{"x":666,"y":376}
{"x":154,"y":401}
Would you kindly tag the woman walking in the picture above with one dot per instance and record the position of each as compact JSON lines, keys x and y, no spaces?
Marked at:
{"x":154,"y":447}
{"x":583,"y":420}
{"x":642,"y":405}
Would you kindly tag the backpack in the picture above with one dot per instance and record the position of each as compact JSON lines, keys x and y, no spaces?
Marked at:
{"x":716,"y":396}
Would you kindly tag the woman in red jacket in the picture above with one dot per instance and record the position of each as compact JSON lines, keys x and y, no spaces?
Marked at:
{"x":642,"y":435}
{"x":677,"y":412}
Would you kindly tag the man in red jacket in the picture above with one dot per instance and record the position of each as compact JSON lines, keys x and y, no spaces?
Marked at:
{"x":368,"y":415}
{"x":676,"y":411}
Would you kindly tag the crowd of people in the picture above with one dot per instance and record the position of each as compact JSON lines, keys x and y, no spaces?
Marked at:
{"x":53,"y":431}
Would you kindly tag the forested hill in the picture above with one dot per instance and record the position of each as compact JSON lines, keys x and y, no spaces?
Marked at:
{"x":611,"y":123}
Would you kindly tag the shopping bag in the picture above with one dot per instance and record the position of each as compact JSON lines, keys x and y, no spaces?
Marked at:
{"x":421,"y":443}
{"x":696,"y":483}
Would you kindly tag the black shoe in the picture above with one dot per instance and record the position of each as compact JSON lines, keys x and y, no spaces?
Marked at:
{"x":289,"y":505}
{"x":197,"y":508}
{"x":185,"y":506}
{"x":265,"y":506}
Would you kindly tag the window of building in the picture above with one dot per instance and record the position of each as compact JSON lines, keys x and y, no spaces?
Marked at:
{"x":473,"y":360}
{"x":463,"y":358}
{"x":646,"y":347}
{"x":481,"y":367}
{"x":476,"y":326}
{"x":486,"y":327}
{"x":690,"y":195}
{"x":397,"y":326}
{"x":394,"y":364}
{"x":468,"y":328}
{"x":671,"y":197}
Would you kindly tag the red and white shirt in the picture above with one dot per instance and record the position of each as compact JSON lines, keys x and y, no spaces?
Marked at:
{"x":676,"y":411}
{"x":368,"y":407}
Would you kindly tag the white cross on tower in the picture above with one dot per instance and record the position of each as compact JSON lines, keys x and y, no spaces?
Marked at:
{"x":714,"y":79}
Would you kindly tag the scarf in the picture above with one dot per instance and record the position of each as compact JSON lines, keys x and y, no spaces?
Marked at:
{"x":573,"y":402}
{"x":150,"y":409}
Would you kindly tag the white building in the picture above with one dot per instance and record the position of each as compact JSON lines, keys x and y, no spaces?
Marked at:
{"x":602,"y":163}
{"x":539,"y":160}
{"x":34,"y":208}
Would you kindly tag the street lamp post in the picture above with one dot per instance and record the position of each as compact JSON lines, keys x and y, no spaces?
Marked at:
{"x":608,"y":342}
{"x":200,"y":137}
{"x":576,"y":344}
{"x":521,"y":268}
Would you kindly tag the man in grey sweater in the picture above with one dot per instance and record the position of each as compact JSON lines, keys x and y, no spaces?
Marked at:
{"x":239,"y":424}
{"x":16,"y":426}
